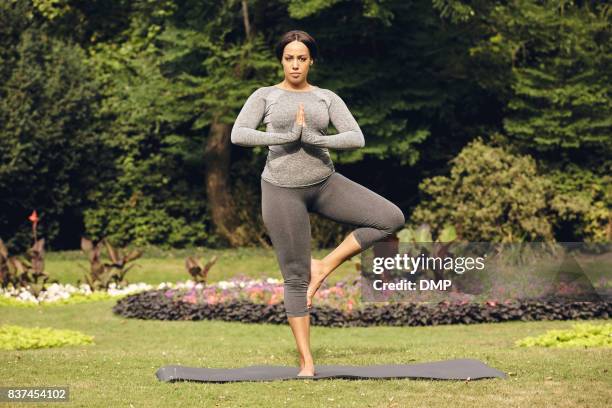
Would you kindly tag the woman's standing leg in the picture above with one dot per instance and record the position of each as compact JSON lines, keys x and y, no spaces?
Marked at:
{"x":343,"y":200}
{"x":286,"y":218}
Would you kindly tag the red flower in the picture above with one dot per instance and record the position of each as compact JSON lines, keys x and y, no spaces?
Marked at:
{"x":33,"y":217}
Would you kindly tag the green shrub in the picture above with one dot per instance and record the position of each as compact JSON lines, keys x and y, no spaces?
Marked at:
{"x":21,"y":338}
{"x":138,"y":220}
{"x":583,"y":204}
{"x":490,"y":195}
{"x":581,"y":335}
{"x":495,"y":195}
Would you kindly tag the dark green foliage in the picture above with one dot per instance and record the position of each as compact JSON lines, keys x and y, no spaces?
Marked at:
{"x":555,"y":57}
{"x":106,"y":107}
{"x":495,"y":195}
{"x":153,"y":192}
{"x":583,"y":204}
{"x":48,"y":101}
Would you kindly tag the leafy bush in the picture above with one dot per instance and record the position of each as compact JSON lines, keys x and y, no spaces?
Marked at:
{"x":583,"y":204}
{"x":21,"y":338}
{"x":490,"y":195}
{"x":581,"y":335}
{"x":495,"y":195}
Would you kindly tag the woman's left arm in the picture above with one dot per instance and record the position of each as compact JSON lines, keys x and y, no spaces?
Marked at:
{"x":349,"y":134}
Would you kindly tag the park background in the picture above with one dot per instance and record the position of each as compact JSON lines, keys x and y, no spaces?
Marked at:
{"x":491,"y":117}
{"x":494,"y":117}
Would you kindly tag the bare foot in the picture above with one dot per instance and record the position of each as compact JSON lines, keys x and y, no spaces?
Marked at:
{"x":318,"y":273}
{"x":307,"y":371}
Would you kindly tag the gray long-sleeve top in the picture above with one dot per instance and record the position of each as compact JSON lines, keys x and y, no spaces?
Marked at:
{"x":298,"y":155}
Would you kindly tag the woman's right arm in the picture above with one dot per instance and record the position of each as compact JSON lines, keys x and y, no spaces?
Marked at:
{"x":244,"y":132}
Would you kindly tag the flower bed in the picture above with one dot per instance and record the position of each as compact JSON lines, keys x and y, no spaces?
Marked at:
{"x":61,"y":294}
{"x":268,"y":291}
{"x":256,"y":301}
{"x":261,"y":301}
{"x":342,"y":296}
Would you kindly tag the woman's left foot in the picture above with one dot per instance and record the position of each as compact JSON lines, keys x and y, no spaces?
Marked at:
{"x":307,"y":371}
{"x":318,"y":273}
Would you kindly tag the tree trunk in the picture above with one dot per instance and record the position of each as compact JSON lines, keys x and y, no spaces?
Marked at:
{"x":217,"y":161}
{"x":218,"y":191}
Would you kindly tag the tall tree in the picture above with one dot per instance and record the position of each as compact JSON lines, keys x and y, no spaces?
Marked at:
{"x":556,"y":55}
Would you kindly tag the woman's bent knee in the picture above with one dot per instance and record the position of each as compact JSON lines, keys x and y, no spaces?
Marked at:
{"x":395,"y":220}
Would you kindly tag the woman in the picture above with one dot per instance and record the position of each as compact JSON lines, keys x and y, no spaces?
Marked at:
{"x":299,"y":177}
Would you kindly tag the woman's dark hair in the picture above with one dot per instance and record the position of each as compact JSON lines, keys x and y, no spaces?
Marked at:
{"x":298,"y":35}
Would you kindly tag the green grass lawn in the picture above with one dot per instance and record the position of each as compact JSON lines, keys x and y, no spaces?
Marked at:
{"x":119,"y":369}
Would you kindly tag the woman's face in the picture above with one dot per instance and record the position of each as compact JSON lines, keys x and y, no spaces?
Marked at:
{"x":296,"y":62}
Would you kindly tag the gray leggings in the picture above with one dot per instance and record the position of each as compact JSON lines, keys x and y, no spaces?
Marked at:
{"x":285,"y":216}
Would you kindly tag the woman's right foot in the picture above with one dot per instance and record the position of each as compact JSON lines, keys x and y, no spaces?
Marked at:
{"x":318,"y":273}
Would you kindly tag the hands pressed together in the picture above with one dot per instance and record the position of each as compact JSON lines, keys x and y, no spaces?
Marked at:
{"x":299,"y":131}
{"x":300,"y":119}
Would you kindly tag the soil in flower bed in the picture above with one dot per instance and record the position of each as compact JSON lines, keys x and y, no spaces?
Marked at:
{"x":155,"y":305}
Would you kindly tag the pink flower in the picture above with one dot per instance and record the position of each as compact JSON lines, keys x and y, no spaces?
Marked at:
{"x":190,"y":299}
{"x":336,"y":290}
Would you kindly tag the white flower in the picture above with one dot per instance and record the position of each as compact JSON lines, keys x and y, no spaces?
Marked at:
{"x":55,"y":291}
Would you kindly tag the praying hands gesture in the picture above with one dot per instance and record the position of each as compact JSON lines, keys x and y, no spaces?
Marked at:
{"x":299,"y":116}
{"x":345,"y":139}
{"x":300,"y":119}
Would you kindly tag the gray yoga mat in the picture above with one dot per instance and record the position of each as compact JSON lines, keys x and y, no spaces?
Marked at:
{"x":459,"y":369}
